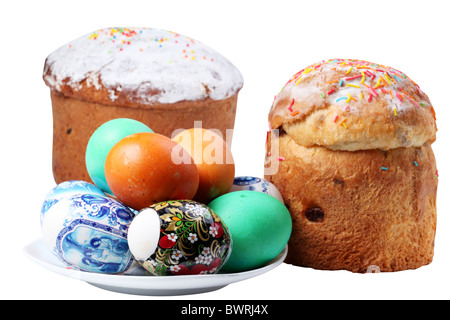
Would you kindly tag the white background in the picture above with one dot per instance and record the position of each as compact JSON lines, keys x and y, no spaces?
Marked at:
{"x":268,"y":41}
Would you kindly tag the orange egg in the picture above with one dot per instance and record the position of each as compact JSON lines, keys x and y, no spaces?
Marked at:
{"x":139,"y":171}
{"x":214,"y":160}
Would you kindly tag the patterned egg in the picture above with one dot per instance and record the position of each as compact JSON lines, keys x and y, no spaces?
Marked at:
{"x":88,"y":232}
{"x":255,"y":184}
{"x":66,"y":190}
{"x":179,"y":238}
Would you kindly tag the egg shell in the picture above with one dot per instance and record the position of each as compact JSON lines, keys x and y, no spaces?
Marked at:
{"x":89,"y":232}
{"x":213,"y":158}
{"x":140,"y":171}
{"x":255,"y":184}
{"x":179,"y":238}
{"x":65,"y":190}
{"x":101,"y":142}
{"x":260,"y":226}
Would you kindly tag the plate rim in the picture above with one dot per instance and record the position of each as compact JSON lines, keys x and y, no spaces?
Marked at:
{"x":142,"y":282}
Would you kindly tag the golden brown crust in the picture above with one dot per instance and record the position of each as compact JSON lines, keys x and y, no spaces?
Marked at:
{"x":74,"y":121}
{"x":355,"y":209}
{"x":354,"y":105}
{"x":98,"y":93}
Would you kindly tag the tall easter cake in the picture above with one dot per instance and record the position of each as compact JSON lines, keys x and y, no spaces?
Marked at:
{"x":356,"y":167}
{"x":161,"y":78}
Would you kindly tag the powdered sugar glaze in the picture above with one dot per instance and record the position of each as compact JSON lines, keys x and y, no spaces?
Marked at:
{"x":171,"y":66}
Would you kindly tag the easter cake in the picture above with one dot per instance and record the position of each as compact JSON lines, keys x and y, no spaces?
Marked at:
{"x":355,"y":167}
{"x":161,"y":78}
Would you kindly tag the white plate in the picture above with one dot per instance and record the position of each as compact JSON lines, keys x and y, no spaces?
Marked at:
{"x":142,"y":283}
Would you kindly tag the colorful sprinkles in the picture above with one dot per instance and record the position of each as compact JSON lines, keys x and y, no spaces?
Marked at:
{"x":372,"y":80}
{"x":124,"y":37}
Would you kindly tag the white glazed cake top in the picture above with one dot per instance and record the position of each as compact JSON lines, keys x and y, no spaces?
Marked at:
{"x":172,"y":66}
{"x":353,"y":81}
{"x":349,"y":104}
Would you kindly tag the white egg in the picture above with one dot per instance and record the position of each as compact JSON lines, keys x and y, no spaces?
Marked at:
{"x":88,"y":232}
{"x":144,"y":233}
{"x":255,"y":184}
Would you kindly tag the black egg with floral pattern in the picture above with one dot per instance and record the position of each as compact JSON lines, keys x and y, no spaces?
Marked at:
{"x":193,"y":240}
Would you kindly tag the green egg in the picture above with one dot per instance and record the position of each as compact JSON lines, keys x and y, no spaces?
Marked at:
{"x":102,"y":140}
{"x":260,"y":226}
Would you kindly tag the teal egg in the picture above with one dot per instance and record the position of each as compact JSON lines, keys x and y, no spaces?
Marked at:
{"x":102,"y":140}
{"x":260,"y":226}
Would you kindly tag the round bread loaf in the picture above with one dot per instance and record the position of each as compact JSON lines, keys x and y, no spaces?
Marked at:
{"x":163,"y":79}
{"x":355,"y":167}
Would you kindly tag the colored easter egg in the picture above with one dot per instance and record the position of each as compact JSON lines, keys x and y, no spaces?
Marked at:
{"x":65,"y":190}
{"x":214,"y":161}
{"x":255,"y":184}
{"x":140,"y":171}
{"x":179,"y":238}
{"x":101,"y":142}
{"x":89,"y":232}
{"x":260,"y":226}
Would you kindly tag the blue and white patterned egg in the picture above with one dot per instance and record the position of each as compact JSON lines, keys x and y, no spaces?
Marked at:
{"x":88,"y":232}
{"x":68,"y":189}
{"x":255,"y":184}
